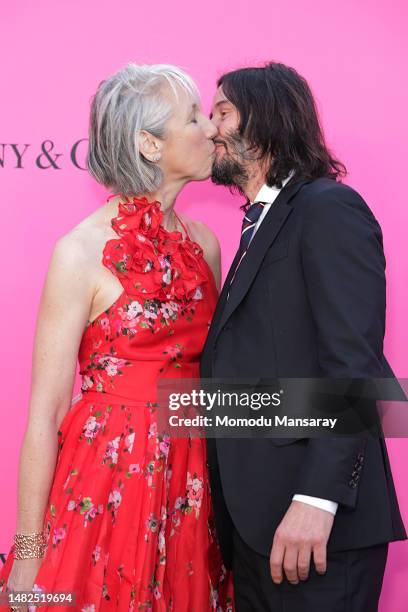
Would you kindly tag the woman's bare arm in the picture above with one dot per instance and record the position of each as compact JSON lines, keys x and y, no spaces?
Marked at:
{"x":63,"y":312}
{"x":208,"y":241}
{"x":212,"y":253}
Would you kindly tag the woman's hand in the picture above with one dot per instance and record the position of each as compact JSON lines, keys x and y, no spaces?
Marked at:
{"x":22,"y":576}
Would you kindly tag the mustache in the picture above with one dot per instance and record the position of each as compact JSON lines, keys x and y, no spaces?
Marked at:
{"x":235,"y":143}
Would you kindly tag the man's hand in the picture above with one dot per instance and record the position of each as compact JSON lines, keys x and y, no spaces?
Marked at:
{"x":304,"y":531}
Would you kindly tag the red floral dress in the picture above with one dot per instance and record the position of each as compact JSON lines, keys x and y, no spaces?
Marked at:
{"x":129,"y":521}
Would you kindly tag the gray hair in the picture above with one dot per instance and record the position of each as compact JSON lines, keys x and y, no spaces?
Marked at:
{"x":129,"y":101}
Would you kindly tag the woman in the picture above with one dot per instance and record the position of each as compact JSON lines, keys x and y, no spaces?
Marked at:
{"x":125,"y":521}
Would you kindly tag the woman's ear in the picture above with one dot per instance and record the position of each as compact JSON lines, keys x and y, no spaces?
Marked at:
{"x":150,"y":146}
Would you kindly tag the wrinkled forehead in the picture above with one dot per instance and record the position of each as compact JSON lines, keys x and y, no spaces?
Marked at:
{"x":219,"y":98}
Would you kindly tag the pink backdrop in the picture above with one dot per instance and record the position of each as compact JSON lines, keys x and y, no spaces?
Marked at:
{"x":55,"y":54}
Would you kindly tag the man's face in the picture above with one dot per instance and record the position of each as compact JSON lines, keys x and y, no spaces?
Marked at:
{"x":229,"y":166}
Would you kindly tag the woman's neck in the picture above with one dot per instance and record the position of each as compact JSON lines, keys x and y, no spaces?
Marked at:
{"x":166,"y":194}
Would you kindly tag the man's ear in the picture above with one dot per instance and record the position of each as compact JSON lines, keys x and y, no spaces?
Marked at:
{"x":150,"y":146}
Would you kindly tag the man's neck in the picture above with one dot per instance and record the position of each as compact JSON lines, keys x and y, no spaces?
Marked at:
{"x":256,"y":178}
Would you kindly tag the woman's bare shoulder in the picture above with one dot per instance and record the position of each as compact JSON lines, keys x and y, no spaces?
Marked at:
{"x":81,"y":246}
{"x":202,"y":234}
{"x":208,"y":241}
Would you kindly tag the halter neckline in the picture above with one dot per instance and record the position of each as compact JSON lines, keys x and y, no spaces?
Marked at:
{"x":187,"y":235}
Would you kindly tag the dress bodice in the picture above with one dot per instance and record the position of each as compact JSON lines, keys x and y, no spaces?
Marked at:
{"x":156,"y":328}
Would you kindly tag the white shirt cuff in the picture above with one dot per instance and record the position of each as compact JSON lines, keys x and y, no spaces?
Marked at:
{"x":318,"y":502}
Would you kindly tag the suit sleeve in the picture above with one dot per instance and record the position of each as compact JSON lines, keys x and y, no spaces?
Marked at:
{"x":344,"y":270}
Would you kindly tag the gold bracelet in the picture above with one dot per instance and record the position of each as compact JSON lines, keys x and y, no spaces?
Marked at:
{"x":29,"y":545}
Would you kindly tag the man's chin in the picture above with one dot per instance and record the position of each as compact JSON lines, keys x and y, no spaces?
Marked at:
{"x":221,"y":178}
{"x":228,"y":173}
{"x":220,"y":181}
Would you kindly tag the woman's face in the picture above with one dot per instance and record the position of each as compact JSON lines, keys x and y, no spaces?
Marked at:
{"x":187,"y":151}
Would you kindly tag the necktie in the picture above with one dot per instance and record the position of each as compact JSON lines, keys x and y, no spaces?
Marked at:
{"x":248,"y":225}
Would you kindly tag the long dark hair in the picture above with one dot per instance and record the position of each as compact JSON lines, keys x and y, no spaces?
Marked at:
{"x":278,"y":117}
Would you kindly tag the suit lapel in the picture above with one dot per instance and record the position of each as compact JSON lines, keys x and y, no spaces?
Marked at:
{"x":263,"y":239}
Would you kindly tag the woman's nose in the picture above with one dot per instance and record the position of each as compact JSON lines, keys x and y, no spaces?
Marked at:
{"x":212,"y":129}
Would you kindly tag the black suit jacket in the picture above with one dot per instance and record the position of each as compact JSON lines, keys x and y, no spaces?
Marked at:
{"x":308,"y":300}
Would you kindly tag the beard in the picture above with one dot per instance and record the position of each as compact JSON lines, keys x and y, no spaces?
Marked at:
{"x":230,"y":170}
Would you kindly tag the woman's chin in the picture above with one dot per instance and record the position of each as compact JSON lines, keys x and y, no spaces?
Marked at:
{"x":202,"y":176}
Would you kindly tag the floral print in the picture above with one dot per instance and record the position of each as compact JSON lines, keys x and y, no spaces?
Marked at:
{"x":150,"y":260}
{"x":129,"y":522}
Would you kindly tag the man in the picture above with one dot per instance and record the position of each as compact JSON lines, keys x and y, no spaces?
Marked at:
{"x":304,"y":523}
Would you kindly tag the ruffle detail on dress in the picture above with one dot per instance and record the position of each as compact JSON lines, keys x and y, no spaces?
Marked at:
{"x":150,"y":260}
